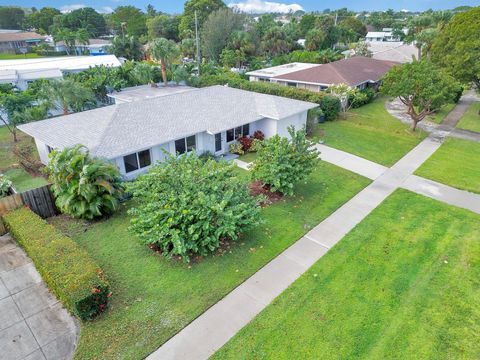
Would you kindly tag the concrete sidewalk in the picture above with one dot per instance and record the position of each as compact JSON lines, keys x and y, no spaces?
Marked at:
{"x":210,"y":331}
{"x":33,"y":324}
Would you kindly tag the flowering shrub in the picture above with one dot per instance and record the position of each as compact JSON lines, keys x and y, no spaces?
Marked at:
{"x":259,"y":135}
{"x":236,"y":148}
{"x":246,"y":143}
{"x":5,"y":185}
{"x":187,"y":206}
{"x":255,"y":145}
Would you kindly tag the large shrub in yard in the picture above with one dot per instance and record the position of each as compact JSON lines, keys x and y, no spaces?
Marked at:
{"x":84,"y":187}
{"x":282,"y":163}
{"x":66,"y":268}
{"x":187,"y":205}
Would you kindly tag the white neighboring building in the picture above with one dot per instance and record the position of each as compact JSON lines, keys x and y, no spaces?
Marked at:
{"x":20,"y":72}
{"x":268,"y":73}
{"x":94,"y":47}
{"x":134,"y":135}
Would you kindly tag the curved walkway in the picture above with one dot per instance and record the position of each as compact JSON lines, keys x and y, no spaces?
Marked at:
{"x":398,"y":110}
{"x":33,"y":324}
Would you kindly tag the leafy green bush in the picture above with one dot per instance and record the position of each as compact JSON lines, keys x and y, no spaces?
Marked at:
{"x":66,"y":268}
{"x":5,"y":185}
{"x":364,"y":97}
{"x":282,"y":163}
{"x":84,"y":187}
{"x":188,"y":206}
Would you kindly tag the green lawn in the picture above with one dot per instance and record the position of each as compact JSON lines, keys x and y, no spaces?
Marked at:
{"x":18,"y":56}
{"x":154,"y":298}
{"x":10,"y":165}
{"x":439,"y":115}
{"x":23,"y":181}
{"x":404,"y":284}
{"x":471,"y":119}
{"x":455,"y":163}
{"x":370,"y":132}
{"x":248,"y":157}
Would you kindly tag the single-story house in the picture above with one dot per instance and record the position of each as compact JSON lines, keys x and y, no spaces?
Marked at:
{"x":267,"y":74}
{"x":357,"y":71}
{"x":134,"y":135}
{"x":94,"y":47}
{"x":396,"y":51}
{"x":20,"y":72}
{"x":19,"y":42}
{"x":142,"y":92}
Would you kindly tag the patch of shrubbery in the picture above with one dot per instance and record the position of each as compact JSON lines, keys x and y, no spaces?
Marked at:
{"x":247,"y":143}
{"x":5,"y":186}
{"x":187,"y":206}
{"x":282,"y":163}
{"x":66,"y":268}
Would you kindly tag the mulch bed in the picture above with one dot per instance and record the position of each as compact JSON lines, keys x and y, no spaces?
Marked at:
{"x":257,"y":188}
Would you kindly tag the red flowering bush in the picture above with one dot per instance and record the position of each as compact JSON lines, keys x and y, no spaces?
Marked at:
{"x":259,"y":135}
{"x":246,"y":142}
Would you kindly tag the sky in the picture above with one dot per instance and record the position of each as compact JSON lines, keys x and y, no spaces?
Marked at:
{"x":257,"y":6}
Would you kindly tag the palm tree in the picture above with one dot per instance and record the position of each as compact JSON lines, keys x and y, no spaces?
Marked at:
{"x":82,"y":37}
{"x":165,"y":51}
{"x":84,"y":187}
{"x":67,"y":36}
{"x":66,"y":94}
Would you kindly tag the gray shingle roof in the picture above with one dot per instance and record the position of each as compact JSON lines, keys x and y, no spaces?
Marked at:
{"x":121,"y":129}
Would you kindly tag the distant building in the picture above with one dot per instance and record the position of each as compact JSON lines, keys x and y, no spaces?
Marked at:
{"x":21,"y":72}
{"x":360,"y":72}
{"x":94,"y":47}
{"x":396,"y":51}
{"x":385,"y":35}
{"x":18,"y":42}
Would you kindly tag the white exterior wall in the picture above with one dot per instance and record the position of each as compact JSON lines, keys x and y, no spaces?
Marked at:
{"x":297,"y":120}
{"x":267,"y":126}
{"x":42,"y":151}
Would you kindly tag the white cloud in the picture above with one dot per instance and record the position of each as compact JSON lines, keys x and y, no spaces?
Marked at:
{"x":69,"y":8}
{"x":260,"y":6}
{"x":105,"y":10}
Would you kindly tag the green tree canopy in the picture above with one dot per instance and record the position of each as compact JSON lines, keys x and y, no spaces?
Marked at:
{"x":165,"y":51}
{"x":457,"y":47}
{"x":126,"y":46}
{"x":84,"y":18}
{"x":203,"y":8}
{"x":67,"y":94}
{"x":84,"y":187}
{"x":163,"y":26}
{"x":11,"y":17}
{"x":188,"y":205}
{"x":217,"y":29}
{"x":128,"y":20}
{"x":315,"y":39}
{"x":42,"y":20}
{"x":421,"y":86}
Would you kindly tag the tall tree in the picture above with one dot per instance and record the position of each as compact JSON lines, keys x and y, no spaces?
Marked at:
{"x":457,"y":47}
{"x":424,"y":41}
{"x":356,"y":26}
{"x":11,"y":17}
{"x":307,"y":23}
{"x":275,"y":42}
{"x":42,"y":20}
{"x":84,"y":18}
{"x":314,"y":40}
{"x":217,"y":29}
{"x":421,"y":86}
{"x":163,"y":26}
{"x":128,"y":19}
{"x":203,"y":9}
{"x":165,"y":51}
{"x":66,"y":95}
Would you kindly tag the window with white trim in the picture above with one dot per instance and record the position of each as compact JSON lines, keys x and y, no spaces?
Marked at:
{"x":185,"y":145}
{"x":137,"y":160}
{"x":235,"y":133}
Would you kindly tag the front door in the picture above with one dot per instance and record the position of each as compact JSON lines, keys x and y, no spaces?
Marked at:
{"x":218,"y":143}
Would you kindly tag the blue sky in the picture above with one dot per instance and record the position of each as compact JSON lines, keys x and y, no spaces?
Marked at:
{"x":176,"y":6}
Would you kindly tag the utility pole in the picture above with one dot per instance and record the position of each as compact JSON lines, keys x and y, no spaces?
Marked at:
{"x":336,"y":20}
{"x":197,"y":42}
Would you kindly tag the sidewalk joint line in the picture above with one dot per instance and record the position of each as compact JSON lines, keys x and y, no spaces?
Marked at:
{"x":316,"y":241}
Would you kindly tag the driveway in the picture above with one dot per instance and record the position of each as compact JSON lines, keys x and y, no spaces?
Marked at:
{"x":33,"y":323}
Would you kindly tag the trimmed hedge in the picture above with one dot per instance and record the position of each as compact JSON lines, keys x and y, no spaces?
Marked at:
{"x":329,"y":104}
{"x":66,"y":268}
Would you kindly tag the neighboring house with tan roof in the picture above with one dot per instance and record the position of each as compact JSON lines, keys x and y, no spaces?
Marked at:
{"x":134,"y":135}
{"x":358,"y":71}
{"x":19,"y":42}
